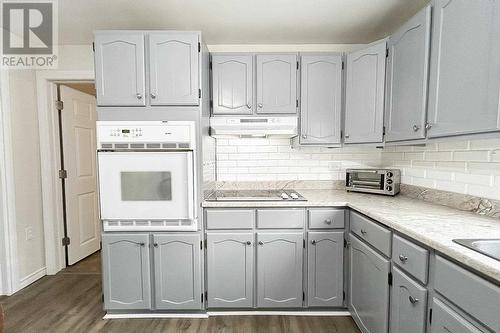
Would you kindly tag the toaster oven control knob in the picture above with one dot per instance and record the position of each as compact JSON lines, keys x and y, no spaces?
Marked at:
{"x":389,"y":188}
{"x":389,"y":181}
{"x":389,"y":174}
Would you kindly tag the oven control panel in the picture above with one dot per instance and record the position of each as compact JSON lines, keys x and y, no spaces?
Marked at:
{"x":126,"y":132}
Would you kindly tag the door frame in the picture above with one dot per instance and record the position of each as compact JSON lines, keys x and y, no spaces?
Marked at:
{"x":46,"y":81}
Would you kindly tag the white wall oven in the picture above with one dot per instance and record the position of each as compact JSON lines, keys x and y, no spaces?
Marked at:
{"x":147,"y":175}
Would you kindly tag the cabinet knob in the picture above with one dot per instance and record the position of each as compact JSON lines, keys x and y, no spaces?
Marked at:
{"x":412,"y":299}
{"x":155,"y":244}
{"x":364,"y":232}
{"x":261,"y":243}
{"x":403,"y":258}
{"x":142,"y":244}
{"x":416,"y":128}
{"x":249,"y":243}
{"x":153,"y":96}
{"x":347,"y":136}
{"x":328,"y":221}
{"x":260,"y":105}
{"x":249,"y":105}
{"x":304,"y":136}
{"x":428,"y":126}
{"x":313,"y":242}
{"x":139,"y":96}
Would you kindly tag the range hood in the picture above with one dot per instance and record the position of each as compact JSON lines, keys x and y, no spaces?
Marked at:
{"x":282,"y":127}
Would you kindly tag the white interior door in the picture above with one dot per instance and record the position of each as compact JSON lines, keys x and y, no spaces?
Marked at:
{"x":78,"y":120}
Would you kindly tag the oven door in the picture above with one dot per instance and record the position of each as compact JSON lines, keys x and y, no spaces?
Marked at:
{"x":146,"y":185}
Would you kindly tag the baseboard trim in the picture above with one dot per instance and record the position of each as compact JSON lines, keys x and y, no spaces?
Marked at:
{"x":225,"y":313}
{"x":153,"y":315}
{"x":29,"y":279}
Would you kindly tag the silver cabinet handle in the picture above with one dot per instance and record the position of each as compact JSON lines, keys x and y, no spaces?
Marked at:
{"x":347,"y":136}
{"x":142,"y":244}
{"x":412,"y":299}
{"x":153,"y":96}
{"x":328,"y":221}
{"x":304,"y":136}
{"x":403,"y":258}
{"x":139,"y":96}
{"x":249,"y":243}
{"x":155,"y":244}
{"x":261,"y":243}
{"x":260,"y":105}
{"x":249,"y":105}
{"x":313,"y":242}
{"x":416,"y":128}
{"x":364,"y":232}
{"x":428,"y":126}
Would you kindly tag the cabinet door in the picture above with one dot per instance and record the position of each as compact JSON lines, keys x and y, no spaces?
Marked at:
{"x":445,"y":320}
{"x":325,"y":268}
{"x":119,"y":69}
{"x":279,"y":269}
{"x":464,"y":81}
{"x":177,"y":271}
{"x":369,"y":301}
{"x":408,"y":304}
{"x":230,"y":270}
{"x":364,"y":118}
{"x":232,"y":84}
{"x":126,"y":271}
{"x":407,"y":79}
{"x":321,"y":99}
{"x":173,"y":68}
{"x":276,"y":83}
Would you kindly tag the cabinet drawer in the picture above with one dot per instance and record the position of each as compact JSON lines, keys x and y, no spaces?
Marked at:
{"x":410,"y":257}
{"x":326,"y":218}
{"x":474,"y":295}
{"x":230,"y":218}
{"x":280,"y":218}
{"x":377,"y":236}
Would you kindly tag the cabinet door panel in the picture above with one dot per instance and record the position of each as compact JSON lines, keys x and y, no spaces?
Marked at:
{"x":119,"y":67}
{"x":365,"y":95}
{"x":276,"y":83}
{"x":126,"y":271}
{"x":445,"y":320}
{"x":321,"y":99}
{"x":173,"y":64}
{"x":279,"y":269}
{"x":407,"y":79}
{"x":325,"y":268}
{"x":369,"y":301}
{"x":177,"y":271}
{"x":232,"y":84}
{"x":465,"y":66}
{"x":230,"y":270}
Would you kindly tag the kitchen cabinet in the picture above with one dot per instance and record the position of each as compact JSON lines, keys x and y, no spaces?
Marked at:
{"x":232,"y":84}
{"x":408,"y":304}
{"x":407,"y":79}
{"x":230,"y":270}
{"x":120,"y":69}
{"x":369,"y":287}
{"x":464,"y":81}
{"x":325,"y":268}
{"x":173,"y":68}
{"x":177,"y":263}
{"x":276,"y":83}
{"x":321,"y":98}
{"x":126,"y":271}
{"x":445,"y":320}
{"x":365,"y":89}
{"x":279,"y":269}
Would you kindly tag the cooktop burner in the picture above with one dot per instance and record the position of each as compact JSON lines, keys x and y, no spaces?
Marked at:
{"x":256,"y":195}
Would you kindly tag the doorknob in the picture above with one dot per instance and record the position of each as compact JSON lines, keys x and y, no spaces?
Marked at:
{"x":142,"y":244}
{"x":139,"y":96}
{"x":313,"y":242}
{"x":153,"y":96}
{"x":403,"y":258}
{"x":249,"y":106}
{"x":260,"y":105}
{"x":416,"y":128}
{"x":249,"y":243}
{"x":412,"y":299}
{"x":261,"y":243}
{"x":428,"y":126}
{"x":304,"y":136}
{"x":155,"y":244}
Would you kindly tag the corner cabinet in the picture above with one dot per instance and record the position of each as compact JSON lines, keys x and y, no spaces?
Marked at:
{"x":321,"y":99}
{"x":365,"y":89}
{"x":446,"y":320}
{"x":407,"y":79}
{"x":464,"y":74}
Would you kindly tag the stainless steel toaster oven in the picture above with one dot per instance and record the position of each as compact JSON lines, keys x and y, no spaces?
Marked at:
{"x":380,"y":181}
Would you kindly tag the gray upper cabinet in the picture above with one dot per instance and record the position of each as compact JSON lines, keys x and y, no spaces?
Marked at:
{"x":365,"y":89}
{"x":407,"y":79}
{"x":177,"y":271}
{"x":325,"y":268}
{"x":119,"y":67}
{"x":276,"y":83}
{"x":321,"y":99}
{"x":369,"y":300}
{"x":232,"y":84}
{"x":173,"y":68}
{"x":445,"y":320}
{"x":126,"y":271}
{"x":230,"y":258}
{"x":464,"y":81}
{"x":279,"y":270}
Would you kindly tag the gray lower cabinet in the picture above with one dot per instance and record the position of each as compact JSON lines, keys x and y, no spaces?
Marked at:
{"x":445,"y":320}
{"x":369,"y":299}
{"x":177,"y":271}
{"x":408,"y":304}
{"x":126,"y":271}
{"x":230,"y":270}
{"x":279,"y":269}
{"x":325,"y":268}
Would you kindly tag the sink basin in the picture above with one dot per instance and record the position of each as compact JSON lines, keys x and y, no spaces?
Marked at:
{"x":489,"y":247}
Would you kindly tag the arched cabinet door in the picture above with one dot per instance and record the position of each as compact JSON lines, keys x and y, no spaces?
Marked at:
{"x":119,"y":67}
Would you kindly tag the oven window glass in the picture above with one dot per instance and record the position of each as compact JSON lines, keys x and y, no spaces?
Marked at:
{"x":146,"y":186}
{"x":367,"y":180}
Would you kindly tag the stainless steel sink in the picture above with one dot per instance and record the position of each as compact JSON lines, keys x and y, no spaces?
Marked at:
{"x":489,"y":247}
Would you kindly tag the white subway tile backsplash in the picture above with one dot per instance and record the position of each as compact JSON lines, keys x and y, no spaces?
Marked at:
{"x":472,"y":155}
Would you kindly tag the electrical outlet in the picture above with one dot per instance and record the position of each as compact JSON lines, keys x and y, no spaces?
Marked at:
{"x":29,"y":233}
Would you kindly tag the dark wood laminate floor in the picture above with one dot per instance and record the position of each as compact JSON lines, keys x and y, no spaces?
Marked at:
{"x":71,"y":302}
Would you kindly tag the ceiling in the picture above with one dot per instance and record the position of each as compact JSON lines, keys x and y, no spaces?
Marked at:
{"x":241,"y":21}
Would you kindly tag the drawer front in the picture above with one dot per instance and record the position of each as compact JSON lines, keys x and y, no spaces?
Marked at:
{"x":230,"y":218}
{"x":473,"y":294}
{"x":376,"y":235}
{"x":280,"y":218}
{"x":326,"y":218}
{"x":411,"y":258}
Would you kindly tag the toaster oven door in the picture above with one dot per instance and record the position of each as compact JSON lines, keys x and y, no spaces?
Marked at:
{"x":368,"y":179}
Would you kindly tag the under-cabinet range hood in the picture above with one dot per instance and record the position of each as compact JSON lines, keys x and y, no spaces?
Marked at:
{"x":282,"y":127}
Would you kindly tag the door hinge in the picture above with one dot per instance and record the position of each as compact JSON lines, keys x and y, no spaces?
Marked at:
{"x":59,"y":105}
{"x":199,"y":47}
{"x":389,"y":278}
{"x":297,"y":65}
{"x":304,"y":243}
{"x":430,"y":316}
{"x":66,"y":241}
{"x":206,"y":243}
{"x":303,"y":296}
{"x":201,"y":298}
{"x":387,"y":53}
{"x":93,"y":47}
{"x":383,"y":130}
{"x":210,"y":65}
{"x":342,"y":65}
{"x":297,"y":103}
{"x":345,"y":243}
{"x":343,"y":295}
{"x":206,"y":296}
{"x":102,"y":297}
{"x":211,"y":104}
{"x":201,"y":245}
{"x":63,"y":174}
{"x":199,"y":93}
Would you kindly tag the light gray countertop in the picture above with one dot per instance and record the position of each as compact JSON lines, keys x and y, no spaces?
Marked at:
{"x":433,"y":225}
